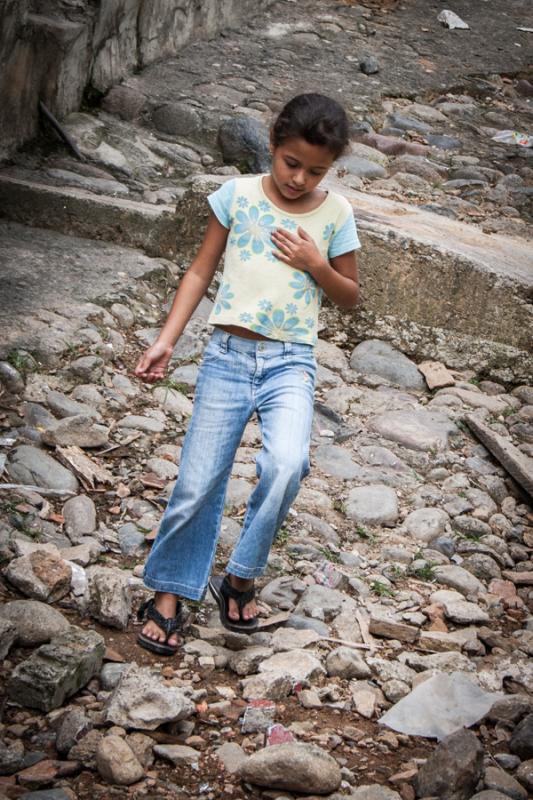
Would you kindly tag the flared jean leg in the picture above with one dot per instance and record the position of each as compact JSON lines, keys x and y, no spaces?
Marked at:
{"x":284,"y":403}
{"x":182,"y":554}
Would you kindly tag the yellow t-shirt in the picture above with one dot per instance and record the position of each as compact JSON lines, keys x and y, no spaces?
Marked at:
{"x":257,"y":291}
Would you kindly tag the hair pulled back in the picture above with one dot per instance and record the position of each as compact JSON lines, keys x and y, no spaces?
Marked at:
{"x":317,"y":119}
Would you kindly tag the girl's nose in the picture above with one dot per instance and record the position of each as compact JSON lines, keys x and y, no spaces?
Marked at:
{"x":299,"y":178}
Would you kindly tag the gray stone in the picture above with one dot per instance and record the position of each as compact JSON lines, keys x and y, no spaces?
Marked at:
{"x":524,"y":774}
{"x":80,"y":516}
{"x":375,"y":357}
{"x":116,"y":762}
{"x":163,"y":468}
{"x":8,"y":635}
{"x":497,"y":780}
{"x":87,"y":368}
{"x":295,"y":767}
{"x":336,"y":461}
{"x":416,"y":430}
{"x":40,"y":575}
{"x":35,"y":623}
{"x":246,"y":662}
{"x":280,"y":593}
{"x":131,"y":539}
{"x":143,"y":700}
{"x":345,"y":662}
{"x":64,"y":406}
{"x":110,"y":675}
{"x":57,"y":670}
{"x":109,"y":596}
{"x":300,"y":623}
{"x":369,"y":65}
{"x":522,"y":739}
{"x":372,"y":505}
{"x":286,"y":639}
{"x":453,"y":769}
{"x":300,"y":665}
{"x":231,"y":755}
{"x":362,"y":167}
{"x":465,"y":613}
{"x":426,"y":524}
{"x":459,"y":579}
{"x":177,"y":754}
{"x":11,"y":757}
{"x":489,"y":794}
{"x":321,"y":602}
{"x":267,"y":685}
{"x":373,"y":791}
{"x":11,"y":378}
{"x":34,"y":467}
{"x":173,"y":401}
{"x":510,"y":709}
{"x":79,"y":431}
{"x":319,"y":528}
{"x":84,"y":751}
{"x":73,"y":726}
{"x":245,"y":140}
{"x":140,"y":423}
{"x":186,"y":374}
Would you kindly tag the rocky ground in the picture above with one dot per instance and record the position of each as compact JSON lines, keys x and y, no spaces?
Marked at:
{"x":406,"y":559}
{"x":425,"y":102}
{"x":398,"y":601}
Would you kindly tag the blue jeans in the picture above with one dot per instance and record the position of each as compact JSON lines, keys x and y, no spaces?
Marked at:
{"x":237,"y":378}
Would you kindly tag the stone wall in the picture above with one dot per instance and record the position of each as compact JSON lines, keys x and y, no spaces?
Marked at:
{"x":53,"y":50}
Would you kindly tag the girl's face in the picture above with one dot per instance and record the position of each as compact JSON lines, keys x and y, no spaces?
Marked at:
{"x":298,"y":167}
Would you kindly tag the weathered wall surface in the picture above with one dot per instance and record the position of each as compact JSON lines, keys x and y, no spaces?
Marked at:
{"x":53,"y":50}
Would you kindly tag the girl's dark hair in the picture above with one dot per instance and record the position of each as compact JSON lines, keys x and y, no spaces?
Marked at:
{"x":317,"y":119}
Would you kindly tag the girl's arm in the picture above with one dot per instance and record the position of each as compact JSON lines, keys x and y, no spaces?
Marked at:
{"x":153,"y":364}
{"x":337,"y":277}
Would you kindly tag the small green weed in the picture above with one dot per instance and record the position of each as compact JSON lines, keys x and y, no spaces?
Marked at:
{"x":339,"y":506}
{"x":330,"y":555}
{"x":21,"y":362}
{"x":282,"y":536}
{"x":381,"y":589}
{"x":425,"y":573}
{"x":177,"y":386}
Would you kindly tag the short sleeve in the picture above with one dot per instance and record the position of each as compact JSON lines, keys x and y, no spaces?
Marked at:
{"x":345,"y":239}
{"x":220,"y":203}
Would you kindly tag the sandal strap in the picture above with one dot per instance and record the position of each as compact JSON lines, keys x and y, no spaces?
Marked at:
{"x":169,"y":625}
{"x":241,"y":598}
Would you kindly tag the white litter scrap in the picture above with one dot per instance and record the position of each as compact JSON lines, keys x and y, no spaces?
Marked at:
{"x":451,"y":20}
{"x":513,"y":137}
{"x":440,"y":706}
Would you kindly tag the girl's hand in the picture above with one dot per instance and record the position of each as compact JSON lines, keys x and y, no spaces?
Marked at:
{"x":153,"y":364}
{"x":298,"y":250}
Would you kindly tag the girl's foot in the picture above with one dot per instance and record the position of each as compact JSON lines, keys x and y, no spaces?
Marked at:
{"x":250,"y":610}
{"x":163,"y":610}
{"x":238,"y":611}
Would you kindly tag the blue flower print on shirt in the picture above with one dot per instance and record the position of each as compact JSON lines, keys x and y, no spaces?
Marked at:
{"x":305,"y":286}
{"x":291,"y":308}
{"x":274,"y":325}
{"x":255,"y":228}
{"x":242,"y":202}
{"x":265,"y":305}
{"x":328,"y":230}
{"x":223,"y":297}
{"x":272,"y":258}
{"x":245,"y":317}
{"x":288,"y":224}
{"x":245,"y":255}
{"x":310,"y":322}
{"x":264,"y":206}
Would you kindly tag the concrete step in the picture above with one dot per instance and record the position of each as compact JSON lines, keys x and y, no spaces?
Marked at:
{"x":69,"y":210}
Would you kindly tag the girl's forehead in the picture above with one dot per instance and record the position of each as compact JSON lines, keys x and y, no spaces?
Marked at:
{"x":313,"y":155}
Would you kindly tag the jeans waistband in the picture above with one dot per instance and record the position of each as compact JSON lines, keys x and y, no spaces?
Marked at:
{"x":265,"y":347}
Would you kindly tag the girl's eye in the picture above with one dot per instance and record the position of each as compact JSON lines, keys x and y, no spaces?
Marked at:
{"x":291,"y":163}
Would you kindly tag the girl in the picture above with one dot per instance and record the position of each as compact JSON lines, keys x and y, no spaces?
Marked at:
{"x":286,"y":241}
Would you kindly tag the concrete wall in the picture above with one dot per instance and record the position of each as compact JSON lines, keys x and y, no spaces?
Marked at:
{"x":53,"y":51}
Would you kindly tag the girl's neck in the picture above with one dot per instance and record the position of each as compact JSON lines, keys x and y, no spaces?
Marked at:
{"x":303,"y":204}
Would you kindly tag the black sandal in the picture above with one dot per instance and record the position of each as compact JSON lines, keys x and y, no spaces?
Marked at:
{"x":169,"y":626}
{"x":222,"y":590}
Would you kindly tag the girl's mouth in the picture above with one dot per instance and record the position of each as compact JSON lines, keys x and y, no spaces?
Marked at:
{"x":292,"y":190}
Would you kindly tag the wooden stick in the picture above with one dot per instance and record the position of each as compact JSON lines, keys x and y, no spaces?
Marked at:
{"x":13,"y":487}
{"x":355,"y":645}
{"x":61,"y":131}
